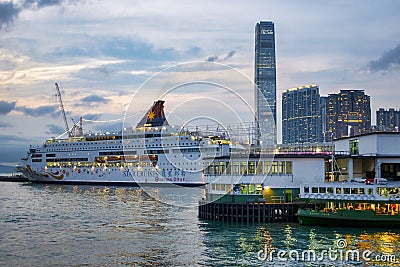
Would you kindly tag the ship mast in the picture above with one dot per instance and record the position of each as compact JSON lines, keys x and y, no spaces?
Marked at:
{"x":62,"y":110}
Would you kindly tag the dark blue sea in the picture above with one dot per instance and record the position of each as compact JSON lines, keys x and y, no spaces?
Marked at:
{"x":66,"y":225}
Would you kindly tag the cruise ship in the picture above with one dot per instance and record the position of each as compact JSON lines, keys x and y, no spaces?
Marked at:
{"x":152,"y":153}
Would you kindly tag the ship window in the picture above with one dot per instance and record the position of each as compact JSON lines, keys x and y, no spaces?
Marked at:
{"x":314,"y":190}
{"x":306,"y":189}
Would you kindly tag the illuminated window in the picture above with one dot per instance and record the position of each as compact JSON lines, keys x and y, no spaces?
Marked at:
{"x":274,"y":168}
{"x":259,"y":189}
{"x":281,"y":167}
{"x":251,"y":167}
{"x":222,"y":168}
{"x":243,"y":167}
{"x":243,"y":188}
{"x":353,"y":147}
{"x":267,"y":167}
{"x":251,"y":189}
{"x":259,"y":169}
{"x":235,"y":168}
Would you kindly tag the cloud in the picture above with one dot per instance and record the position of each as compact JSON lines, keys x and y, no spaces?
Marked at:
{"x":93,"y":73}
{"x":91,"y":117}
{"x":95,"y":99}
{"x":12,"y":137}
{"x":43,"y":3}
{"x":222,"y":57}
{"x":39,"y":111}
{"x":55,"y":129}
{"x":212,"y":58}
{"x":9,"y":11}
{"x":390,"y":59}
{"x":230,"y":54}
{"x":6,"y":107}
{"x":109,"y":127}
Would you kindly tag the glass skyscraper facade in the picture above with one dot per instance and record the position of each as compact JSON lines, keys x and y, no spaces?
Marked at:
{"x":265,"y":79}
{"x":301,"y":115}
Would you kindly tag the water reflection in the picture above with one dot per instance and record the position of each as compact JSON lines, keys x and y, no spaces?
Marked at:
{"x":248,"y":240}
{"x":110,"y":226}
{"x":67,"y":225}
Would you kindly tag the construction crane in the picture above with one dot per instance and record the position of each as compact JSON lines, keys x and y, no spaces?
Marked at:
{"x":63,"y":111}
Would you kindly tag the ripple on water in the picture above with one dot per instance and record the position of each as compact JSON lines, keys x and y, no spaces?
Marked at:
{"x":57,"y":225}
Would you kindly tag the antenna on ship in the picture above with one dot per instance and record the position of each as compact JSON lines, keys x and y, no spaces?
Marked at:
{"x":62,"y":110}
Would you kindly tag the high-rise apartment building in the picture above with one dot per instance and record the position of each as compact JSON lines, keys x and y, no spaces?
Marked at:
{"x":265,"y":79}
{"x":323,"y":105}
{"x":348,"y":113}
{"x":387,"y":120}
{"x":301,"y":115}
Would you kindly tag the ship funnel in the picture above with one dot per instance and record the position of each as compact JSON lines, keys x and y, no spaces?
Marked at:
{"x":155,"y":116}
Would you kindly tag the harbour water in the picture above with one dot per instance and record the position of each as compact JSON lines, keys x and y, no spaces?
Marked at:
{"x":66,"y":225}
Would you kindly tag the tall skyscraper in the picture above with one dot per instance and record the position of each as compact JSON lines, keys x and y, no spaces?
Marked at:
{"x":265,"y":79}
{"x":301,"y":115}
{"x":388,"y":120}
{"x":348,"y":113}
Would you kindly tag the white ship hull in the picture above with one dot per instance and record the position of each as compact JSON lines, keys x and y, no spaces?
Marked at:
{"x":111,"y":176}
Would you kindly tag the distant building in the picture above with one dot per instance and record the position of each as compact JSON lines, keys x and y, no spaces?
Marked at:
{"x":387,"y":120}
{"x":348,"y":113}
{"x":323,"y":106}
{"x":301,"y":115}
{"x":265,"y":79}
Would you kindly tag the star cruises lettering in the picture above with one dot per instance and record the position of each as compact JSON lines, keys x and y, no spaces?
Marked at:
{"x":128,"y":173}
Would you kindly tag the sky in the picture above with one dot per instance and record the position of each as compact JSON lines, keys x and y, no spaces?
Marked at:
{"x":113,"y":58}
